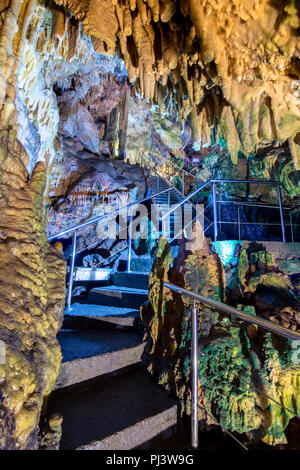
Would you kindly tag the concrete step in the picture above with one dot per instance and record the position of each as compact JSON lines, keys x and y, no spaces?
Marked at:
{"x":118,"y":296}
{"x":138,"y":264}
{"x":93,"y":316}
{"x":115,"y":413}
{"x":92,"y":353}
{"x":139,"y":280}
{"x":91,"y":274}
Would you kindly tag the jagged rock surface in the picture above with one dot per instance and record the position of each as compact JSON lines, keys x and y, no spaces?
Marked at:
{"x":233,"y":68}
{"x":32,"y":297}
{"x":236,"y":63}
{"x":235,"y":357}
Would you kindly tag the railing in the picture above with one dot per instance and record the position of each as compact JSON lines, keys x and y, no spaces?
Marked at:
{"x":219,"y":306}
{"x":169,"y":169}
{"x":291,"y":209}
{"x":185,"y":199}
{"x":74,"y":230}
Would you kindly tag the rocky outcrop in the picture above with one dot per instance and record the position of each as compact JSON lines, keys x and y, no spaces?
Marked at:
{"x":84,"y":186}
{"x":32,"y":294}
{"x":226,"y":66}
{"x":258,"y":280}
{"x":93,"y":108}
{"x":272,"y":162}
{"x":152,"y":138}
{"x":64,"y":111}
{"x":239,"y":364}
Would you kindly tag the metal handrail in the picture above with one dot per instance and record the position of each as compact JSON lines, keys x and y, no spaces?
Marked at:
{"x":87,"y":223}
{"x":262,"y":322}
{"x":219,"y":306}
{"x":215,"y":182}
{"x":186,"y":199}
{"x":97,"y":219}
{"x":105,"y":216}
{"x":173,"y":164}
{"x":265,"y":205}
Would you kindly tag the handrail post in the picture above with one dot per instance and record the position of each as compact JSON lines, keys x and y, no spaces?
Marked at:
{"x":129,"y":246}
{"x":281,"y":213}
{"x":239,"y":222}
{"x":182,"y":177}
{"x":291,"y":224}
{"x":194,"y":362}
{"x":72,"y":264}
{"x":215,"y":212}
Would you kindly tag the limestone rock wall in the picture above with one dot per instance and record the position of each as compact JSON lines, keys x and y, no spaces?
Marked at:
{"x":234,"y":66}
{"x":43,"y":158}
{"x":152,"y":137}
{"x":32,"y":295}
{"x":32,"y":278}
{"x":273,"y":162}
{"x":237,"y":361}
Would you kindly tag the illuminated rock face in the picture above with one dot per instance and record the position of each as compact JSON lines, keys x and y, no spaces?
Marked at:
{"x":234,"y":68}
{"x":40,"y":51}
{"x":32,"y":278}
{"x":235,"y":63}
{"x":83,"y":187}
{"x":234,"y":355}
{"x":32,"y":297}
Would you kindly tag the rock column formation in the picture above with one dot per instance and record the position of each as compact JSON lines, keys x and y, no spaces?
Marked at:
{"x":237,"y":361}
{"x":232,"y":66}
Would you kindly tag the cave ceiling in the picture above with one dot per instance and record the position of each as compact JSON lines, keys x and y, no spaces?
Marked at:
{"x":233,"y":65}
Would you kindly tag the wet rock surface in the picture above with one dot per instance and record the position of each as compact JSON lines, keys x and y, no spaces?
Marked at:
{"x":32,"y":293}
{"x":220,"y":73}
{"x":238,"y":363}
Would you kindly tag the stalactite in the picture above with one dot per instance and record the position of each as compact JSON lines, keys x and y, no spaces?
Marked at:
{"x":58,"y":23}
{"x":218,"y":37}
{"x":168,"y":48}
{"x":142,"y":7}
{"x":168,"y":9}
{"x":127,"y":21}
{"x":154,"y":6}
{"x":132,"y":4}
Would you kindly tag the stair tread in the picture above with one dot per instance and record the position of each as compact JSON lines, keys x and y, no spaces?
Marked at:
{"x":124,"y":289}
{"x":102,"y":311}
{"x":117,"y":408}
{"x":81,"y":344}
{"x":120,"y":316}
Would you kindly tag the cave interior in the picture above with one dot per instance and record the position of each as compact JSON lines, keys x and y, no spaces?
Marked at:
{"x":145,"y":142}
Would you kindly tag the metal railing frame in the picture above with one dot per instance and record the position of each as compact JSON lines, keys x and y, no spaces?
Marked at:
{"x":187,"y":199}
{"x":94,"y":220}
{"x":221,"y":307}
{"x":272,"y":327}
{"x":216,"y":182}
{"x":89,"y":222}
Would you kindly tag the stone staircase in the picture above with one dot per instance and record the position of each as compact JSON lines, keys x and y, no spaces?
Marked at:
{"x":107,"y":400}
